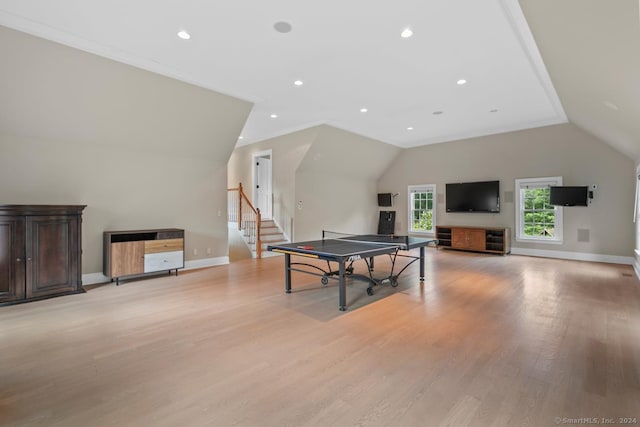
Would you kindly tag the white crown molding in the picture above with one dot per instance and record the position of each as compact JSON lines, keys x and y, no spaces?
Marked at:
{"x":522,"y":33}
{"x":37,"y":29}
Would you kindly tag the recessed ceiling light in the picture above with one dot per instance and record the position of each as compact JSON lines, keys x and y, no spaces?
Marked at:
{"x":298,"y":83}
{"x":184,"y":35}
{"x":406,"y":33}
{"x":274,"y":116}
{"x":282,"y":27}
{"x":461,"y":82}
{"x":611,"y":105}
{"x":409,"y":128}
{"x":437,"y":113}
{"x":363,"y":110}
{"x":495,"y":110}
{"x":241,"y":137}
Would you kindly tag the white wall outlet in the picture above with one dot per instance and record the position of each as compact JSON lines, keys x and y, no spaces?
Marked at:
{"x":195,"y":252}
{"x":299,"y":205}
{"x":219,"y":213}
{"x":208,"y":251}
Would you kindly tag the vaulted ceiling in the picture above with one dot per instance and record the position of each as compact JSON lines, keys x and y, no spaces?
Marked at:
{"x":525,"y":64}
{"x":591,"y":49}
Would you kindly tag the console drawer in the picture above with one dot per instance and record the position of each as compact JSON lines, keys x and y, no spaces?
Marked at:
{"x":163,"y":261}
{"x":165,"y":245}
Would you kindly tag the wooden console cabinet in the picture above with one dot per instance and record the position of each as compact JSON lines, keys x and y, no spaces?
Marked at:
{"x":40,"y":252}
{"x":478,"y":239}
{"x":138,"y":252}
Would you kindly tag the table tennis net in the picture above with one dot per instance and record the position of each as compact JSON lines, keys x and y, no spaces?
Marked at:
{"x":381,"y":239}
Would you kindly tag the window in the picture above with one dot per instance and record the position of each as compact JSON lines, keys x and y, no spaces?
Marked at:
{"x":536,"y":219}
{"x":422,"y":213}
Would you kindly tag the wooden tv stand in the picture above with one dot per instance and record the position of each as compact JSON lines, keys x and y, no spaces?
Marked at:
{"x":138,"y":252}
{"x":494,"y":240}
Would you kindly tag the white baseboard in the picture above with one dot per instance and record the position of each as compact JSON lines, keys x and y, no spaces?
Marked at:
{"x":636,"y":264}
{"x":578,"y":256}
{"x":93,"y":278}
{"x":281,"y":229}
{"x":207,"y":262}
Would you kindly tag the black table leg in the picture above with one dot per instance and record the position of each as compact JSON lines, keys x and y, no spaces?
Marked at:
{"x":422,"y":263}
{"x":342,"y":286}
{"x":287,"y":273}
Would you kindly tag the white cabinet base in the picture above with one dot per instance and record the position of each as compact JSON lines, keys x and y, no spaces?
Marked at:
{"x":163,"y":261}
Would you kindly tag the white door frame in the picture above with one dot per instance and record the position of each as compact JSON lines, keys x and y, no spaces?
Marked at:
{"x":254,"y":174}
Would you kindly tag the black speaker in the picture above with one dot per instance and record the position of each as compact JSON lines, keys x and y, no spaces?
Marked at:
{"x":387,"y":223}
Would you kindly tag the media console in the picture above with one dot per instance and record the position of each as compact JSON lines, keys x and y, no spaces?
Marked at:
{"x":138,"y":252}
{"x":478,"y":239}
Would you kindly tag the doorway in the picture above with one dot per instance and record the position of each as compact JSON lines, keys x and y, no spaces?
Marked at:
{"x":262,"y":183}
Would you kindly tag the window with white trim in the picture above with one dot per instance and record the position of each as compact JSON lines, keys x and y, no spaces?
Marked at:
{"x":422,"y":208}
{"x":537,"y":220}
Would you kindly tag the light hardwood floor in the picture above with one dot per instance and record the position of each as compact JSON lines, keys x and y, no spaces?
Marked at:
{"x":484,"y":341}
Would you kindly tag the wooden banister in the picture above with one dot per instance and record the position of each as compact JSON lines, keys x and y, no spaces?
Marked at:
{"x":251,"y":226}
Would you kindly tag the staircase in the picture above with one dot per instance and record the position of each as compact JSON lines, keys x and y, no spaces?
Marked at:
{"x":270,"y":234}
{"x":242,"y":213}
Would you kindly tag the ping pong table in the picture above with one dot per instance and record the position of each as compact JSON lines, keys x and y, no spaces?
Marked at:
{"x":345,"y":251}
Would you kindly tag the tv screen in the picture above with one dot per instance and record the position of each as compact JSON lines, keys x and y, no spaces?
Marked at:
{"x":569,"y":196}
{"x":473,"y":197}
{"x":384,"y":199}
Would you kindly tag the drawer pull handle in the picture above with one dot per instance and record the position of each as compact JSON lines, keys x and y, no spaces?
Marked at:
{"x":18,"y":259}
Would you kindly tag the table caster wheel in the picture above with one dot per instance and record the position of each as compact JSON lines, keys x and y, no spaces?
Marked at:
{"x":394,"y":281}
{"x":324,"y":280}
{"x":369,"y":291}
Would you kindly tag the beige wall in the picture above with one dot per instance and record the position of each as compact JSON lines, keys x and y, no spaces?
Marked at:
{"x":331,"y":171}
{"x":561,"y":150}
{"x":334,"y":203}
{"x":286,"y":154}
{"x":336,"y":183}
{"x":141,"y":150}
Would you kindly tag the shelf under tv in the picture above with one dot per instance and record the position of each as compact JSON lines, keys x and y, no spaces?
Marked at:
{"x":495,"y":240}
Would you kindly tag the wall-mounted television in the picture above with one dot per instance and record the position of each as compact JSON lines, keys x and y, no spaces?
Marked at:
{"x":481,"y":196}
{"x":569,"y":196}
{"x":385,"y":199}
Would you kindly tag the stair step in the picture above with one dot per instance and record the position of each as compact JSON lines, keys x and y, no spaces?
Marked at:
{"x":273,"y":238}
{"x":265,"y":245}
{"x":270,"y":234}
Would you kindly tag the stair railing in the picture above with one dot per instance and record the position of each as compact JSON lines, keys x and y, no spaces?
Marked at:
{"x":248,"y":220}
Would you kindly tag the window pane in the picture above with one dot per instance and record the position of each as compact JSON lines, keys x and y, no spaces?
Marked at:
{"x":528,"y":203}
{"x":421,"y":206}
{"x":537,"y":216}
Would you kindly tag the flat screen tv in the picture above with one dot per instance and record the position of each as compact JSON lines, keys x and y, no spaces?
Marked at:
{"x":384,"y":199}
{"x":473,"y":197}
{"x":569,"y":196}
